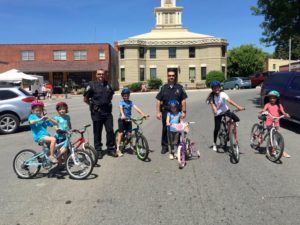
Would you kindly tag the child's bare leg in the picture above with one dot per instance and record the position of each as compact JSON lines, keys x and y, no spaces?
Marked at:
{"x":119,"y":153}
{"x":52,"y":142}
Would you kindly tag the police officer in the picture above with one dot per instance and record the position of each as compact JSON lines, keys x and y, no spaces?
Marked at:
{"x":98,"y":96}
{"x":167,"y":92}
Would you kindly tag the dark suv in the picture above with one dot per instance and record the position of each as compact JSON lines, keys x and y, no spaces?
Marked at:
{"x":288,"y":84}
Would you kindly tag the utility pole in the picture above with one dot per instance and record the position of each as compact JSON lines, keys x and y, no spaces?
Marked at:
{"x":290,"y":53}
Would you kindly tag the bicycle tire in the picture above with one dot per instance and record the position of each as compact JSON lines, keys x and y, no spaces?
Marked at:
{"x":92,"y":151}
{"x":279,"y":145}
{"x":85,"y":164}
{"x":181,"y":157}
{"x":19,"y":170}
{"x":223,"y":136}
{"x":254,"y":136}
{"x":141,"y":147}
{"x":234,"y":146}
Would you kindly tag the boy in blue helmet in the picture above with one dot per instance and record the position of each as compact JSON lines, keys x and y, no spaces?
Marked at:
{"x":126,"y":106}
{"x":217,"y":100}
{"x":173,"y":117}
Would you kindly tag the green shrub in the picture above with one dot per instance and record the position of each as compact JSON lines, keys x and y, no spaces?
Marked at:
{"x":214,"y":75}
{"x":154,"y":83}
{"x":134,"y":87}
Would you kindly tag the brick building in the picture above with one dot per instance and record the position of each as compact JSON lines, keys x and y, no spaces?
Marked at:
{"x":75,"y":64}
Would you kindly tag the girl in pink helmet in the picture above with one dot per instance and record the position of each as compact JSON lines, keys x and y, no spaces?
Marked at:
{"x":38,"y":123}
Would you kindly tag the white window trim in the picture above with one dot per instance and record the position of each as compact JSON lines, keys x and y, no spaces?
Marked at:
{"x":223,"y":64}
{"x":193,"y":66}
{"x":142,"y":66}
{"x":152,"y":66}
{"x":203,"y":65}
{"x":122,"y":67}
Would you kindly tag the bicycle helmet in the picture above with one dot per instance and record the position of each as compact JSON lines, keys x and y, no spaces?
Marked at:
{"x":37,"y":103}
{"x":215,"y":83}
{"x":274,"y":93}
{"x":125,"y":91}
{"x":61,"y":104}
{"x":173,"y":103}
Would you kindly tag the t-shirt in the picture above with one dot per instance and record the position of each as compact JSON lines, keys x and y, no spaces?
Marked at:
{"x":62,"y":124}
{"x":174,"y":119}
{"x":220,"y":103}
{"x":275,"y":111}
{"x":39,"y":129}
{"x":127,"y":107}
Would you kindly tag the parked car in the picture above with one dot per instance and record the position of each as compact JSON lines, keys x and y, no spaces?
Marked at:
{"x":288,"y":85}
{"x":237,"y":83}
{"x":258,"y":78}
{"x":14,"y":108}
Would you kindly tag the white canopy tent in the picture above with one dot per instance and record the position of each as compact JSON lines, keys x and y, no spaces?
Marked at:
{"x":14,"y":75}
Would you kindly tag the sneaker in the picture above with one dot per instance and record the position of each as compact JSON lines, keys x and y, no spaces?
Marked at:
{"x":214,"y":148}
{"x":171,"y":156}
{"x":164,"y":150}
{"x":100,"y":154}
{"x":119,"y":153}
{"x":53,"y":159}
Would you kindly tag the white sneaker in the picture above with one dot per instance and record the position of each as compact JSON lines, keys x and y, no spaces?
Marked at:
{"x":214,"y":148}
{"x":171,"y":156}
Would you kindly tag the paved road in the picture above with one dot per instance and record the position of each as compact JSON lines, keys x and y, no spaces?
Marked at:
{"x":208,"y":191}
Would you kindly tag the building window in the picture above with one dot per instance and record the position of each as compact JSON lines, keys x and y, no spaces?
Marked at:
{"x":101,"y":54}
{"x":192,"y":52}
{"x":27,"y":55}
{"x":141,"y":52}
{"x":80,"y":55}
{"x":122,"y":74}
{"x":59,"y":55}
{"x":142,"y":74}
{"x":122,"y":53}
{"x":203,"y":73}
{"x":172,"y":52}
{"x":192,"y":73}
{"x":274,"y":66}
{"x":223,"y":49}
{"x":152,"y":73}
{"x":152,"y":53}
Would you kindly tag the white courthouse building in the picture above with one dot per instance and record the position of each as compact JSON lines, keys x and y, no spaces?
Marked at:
{"x":170,"y":46}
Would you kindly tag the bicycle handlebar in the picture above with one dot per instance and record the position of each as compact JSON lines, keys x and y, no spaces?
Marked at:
{"x":273,"y":117}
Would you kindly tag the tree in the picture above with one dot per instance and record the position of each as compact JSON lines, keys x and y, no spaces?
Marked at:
{"x":245,"y":60}
{"x":214,"y":75}
{"x":282,"y":49}
{"x":281,"y":21}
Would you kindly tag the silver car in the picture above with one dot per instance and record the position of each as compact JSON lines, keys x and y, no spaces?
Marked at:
{"x":237,"y":83}
{"x":14,"y":108}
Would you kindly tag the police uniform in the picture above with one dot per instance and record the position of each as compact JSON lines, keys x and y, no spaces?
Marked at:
{"x":100,"y":95}
{"x":166,"y":93}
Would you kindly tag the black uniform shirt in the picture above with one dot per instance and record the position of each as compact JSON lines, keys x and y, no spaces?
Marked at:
{"x":169,"y":92}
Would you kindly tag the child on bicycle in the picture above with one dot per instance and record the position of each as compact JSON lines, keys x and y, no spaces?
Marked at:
{"x":38,"y":123}
{"x":217,"y":100}
{"x":126,"y":106}
{"x":63,"y":123}
{"x":173,"y":117}
{"x":274,"y":108}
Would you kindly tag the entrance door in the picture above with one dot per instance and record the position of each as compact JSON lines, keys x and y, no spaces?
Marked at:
{"x":57,"y":82}
{"x":176,"y":72}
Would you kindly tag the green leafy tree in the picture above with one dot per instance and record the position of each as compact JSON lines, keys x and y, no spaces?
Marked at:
{"x":245,"y":60}
{"x":281,"y":21}
{"x":214,"y":75}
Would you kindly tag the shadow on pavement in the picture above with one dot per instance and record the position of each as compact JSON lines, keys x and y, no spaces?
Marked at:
{"x":291,"y":126}
{"x":256,"y":101}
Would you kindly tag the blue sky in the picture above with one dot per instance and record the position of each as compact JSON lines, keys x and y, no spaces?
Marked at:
{"x":89,"y":21}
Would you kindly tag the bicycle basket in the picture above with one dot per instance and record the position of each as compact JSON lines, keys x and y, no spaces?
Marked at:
{"x":180,"y":127}
{"x":262,"y":117}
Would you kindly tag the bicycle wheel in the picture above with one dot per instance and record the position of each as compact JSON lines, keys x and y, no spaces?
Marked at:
{"x":181,"y":156}
{"x":234,"y":145}
{"x":254,"y":136}
{"x":25,"y":164}
{"x":141,"y":147}
{"x":92,"y":151}
{"x":275,"y":146}
{"x":79,"y":165}
{"x":223,"y":136}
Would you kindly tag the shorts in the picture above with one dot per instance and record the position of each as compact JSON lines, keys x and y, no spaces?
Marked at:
{"x":124,"y":125}
{"x":66,"y":144}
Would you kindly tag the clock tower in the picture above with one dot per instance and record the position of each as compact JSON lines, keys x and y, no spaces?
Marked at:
{"x":168,"y":15}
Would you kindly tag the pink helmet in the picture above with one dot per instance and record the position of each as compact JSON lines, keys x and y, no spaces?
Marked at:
{"x":37,"y":103}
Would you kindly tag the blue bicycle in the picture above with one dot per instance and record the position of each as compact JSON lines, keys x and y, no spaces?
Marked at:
{"x":137,"y":140}
{"x":79,"y":164}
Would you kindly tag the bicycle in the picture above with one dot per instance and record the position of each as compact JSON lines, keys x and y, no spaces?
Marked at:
{"x":260,"y":132}
{"x":228,"y":132}
{"x":186,"y":147}
{"x":137,"y":140}
{"x":85,"y":145}
{"x":79,"y":164}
